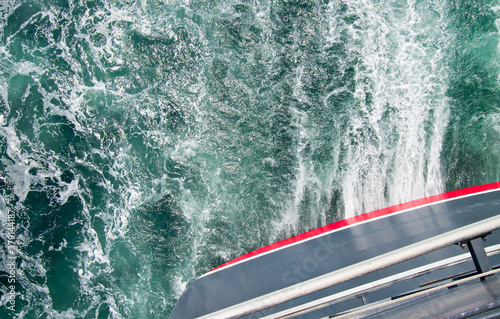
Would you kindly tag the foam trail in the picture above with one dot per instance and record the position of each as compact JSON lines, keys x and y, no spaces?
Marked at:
{"x":386,"y":112}
{"x":394,"y":138}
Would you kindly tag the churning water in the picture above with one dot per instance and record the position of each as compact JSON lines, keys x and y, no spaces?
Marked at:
{"x":143,"y":143}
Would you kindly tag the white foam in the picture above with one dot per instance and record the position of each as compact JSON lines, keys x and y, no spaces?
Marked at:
{"x":179,"y":284}
{"x":26,"y":68}
{"x":395,"y":163}
{"x":18,"y":172}
{"x":4,"y":53}
{"x":184,"y":151}
{"x":68,"y":190}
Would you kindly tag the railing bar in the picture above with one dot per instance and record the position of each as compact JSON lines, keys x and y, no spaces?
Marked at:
{"x":415,"y":295}
{"x":378,"y":284}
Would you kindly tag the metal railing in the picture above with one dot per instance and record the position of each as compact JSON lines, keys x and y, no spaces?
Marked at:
{"x":377,"y":284}
{"x":462,"y":234}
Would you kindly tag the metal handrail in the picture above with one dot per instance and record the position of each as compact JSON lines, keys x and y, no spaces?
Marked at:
{"x":362,"y":268}
{"x":378,"y":284}
{"x":379,"y":305}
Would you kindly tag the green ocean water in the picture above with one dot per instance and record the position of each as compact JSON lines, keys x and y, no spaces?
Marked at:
{"x":143,"y":143}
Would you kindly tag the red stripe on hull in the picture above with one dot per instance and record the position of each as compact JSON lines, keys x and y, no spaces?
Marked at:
{"x":364,"y":217}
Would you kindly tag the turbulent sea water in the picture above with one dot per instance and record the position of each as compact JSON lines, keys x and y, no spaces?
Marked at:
{"x":143,"y":143}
